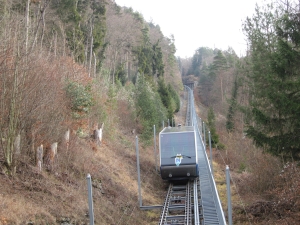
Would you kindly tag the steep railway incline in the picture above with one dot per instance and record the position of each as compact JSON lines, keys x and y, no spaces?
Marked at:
{"x":197,"y":201}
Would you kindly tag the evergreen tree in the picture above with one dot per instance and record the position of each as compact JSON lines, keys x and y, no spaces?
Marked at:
{"x":165,"y":97}
{"x":175,"y":97}
{"x":150,"y":110}
{"x":78,"y":17}
{"x":220,"y":62}
{"x":274,"y":112}
{"x":144,"y":54}
{"x":198,"y":60}
{"x":206,"y":82}
{"x":232,"y":107}
{"x":150,"y":57}
{"x":157,"y":61}
{"x":196,"y":63}
{"x":212,"y":127}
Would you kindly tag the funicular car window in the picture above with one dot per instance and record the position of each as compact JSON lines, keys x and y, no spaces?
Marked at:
{"x":178,"y":143}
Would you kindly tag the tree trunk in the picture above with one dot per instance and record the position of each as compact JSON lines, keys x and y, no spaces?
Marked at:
{"x":17,"y":145}
{"x":42,"y":10}
{"x":64,"y":38}
{"x":95,"y":64}
{"x":91,"y":49}
{"x":86,"y":54}
{"x":27,"y":25}
{"x":55,"y":44}
{"x":114,"y":66}
{"x":44,"y":24}
{"x":11,"y":134}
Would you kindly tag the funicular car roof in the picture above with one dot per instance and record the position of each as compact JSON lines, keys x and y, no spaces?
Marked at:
{"x":181,"y":129}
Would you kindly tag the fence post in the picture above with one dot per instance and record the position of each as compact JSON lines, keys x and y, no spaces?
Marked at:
{"x":90,"y":196}
{"x":200,"y":126}
{"x":204,"y":136}
{"x":211,"y":156}
{"x":39,"y":157}
{"x":228,"y":195}
{"x":155,"y":155}
{"x":138,"y":169}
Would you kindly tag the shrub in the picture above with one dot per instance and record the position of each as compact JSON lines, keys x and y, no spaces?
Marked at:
{"x":80,"y":96}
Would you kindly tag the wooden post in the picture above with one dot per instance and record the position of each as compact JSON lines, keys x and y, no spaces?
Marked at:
{"x":53,"y":152}
{"x":98,"y":136}
{"x":39,"y":157}
{"x":67,"y":138}
{"x":52,"y":156}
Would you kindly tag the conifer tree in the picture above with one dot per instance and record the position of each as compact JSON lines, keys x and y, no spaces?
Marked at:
{"x":274,"y":112}
{"x":212,"y":127}
{"x":165,"y":97}
{"x":232,"y":107}
{"x":157,"y":62}
{"x":150,"y":110}
{"x":175,"y":97}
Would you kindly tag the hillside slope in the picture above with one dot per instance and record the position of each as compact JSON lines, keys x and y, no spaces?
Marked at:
{"x":59,"y":196}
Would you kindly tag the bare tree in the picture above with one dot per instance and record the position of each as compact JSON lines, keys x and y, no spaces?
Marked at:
{"x":41,"y":20}
{"x":13,"y":76}
{"x":27,"y":24}
{"x":123,"y":34}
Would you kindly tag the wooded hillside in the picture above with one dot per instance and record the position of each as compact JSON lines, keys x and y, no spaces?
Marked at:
{"x":78,"y":81}
{"x":62,"y":60}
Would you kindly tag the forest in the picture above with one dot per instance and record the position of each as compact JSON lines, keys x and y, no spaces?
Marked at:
{"x":80,"y":80}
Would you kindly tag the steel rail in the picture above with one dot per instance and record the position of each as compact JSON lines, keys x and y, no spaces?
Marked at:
{"x":188,"y":205}
{"x":178,"y":205}
{"x":196,"y":204}
{"x":164,"y":211}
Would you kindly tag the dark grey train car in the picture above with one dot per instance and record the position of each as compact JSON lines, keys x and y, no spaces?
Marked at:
{"x":178,"y":153}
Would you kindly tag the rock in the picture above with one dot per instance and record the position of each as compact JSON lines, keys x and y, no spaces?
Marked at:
{"x":64,"y":221}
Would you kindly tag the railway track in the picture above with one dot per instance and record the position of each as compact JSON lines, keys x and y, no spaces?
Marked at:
{"x":195,"y":202}
{"x":181,"y":206}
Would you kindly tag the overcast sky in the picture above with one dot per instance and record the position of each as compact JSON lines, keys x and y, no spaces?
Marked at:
{"x":198,"y":23}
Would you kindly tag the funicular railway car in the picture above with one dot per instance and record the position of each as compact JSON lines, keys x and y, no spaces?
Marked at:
{"x":178,"y":153}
